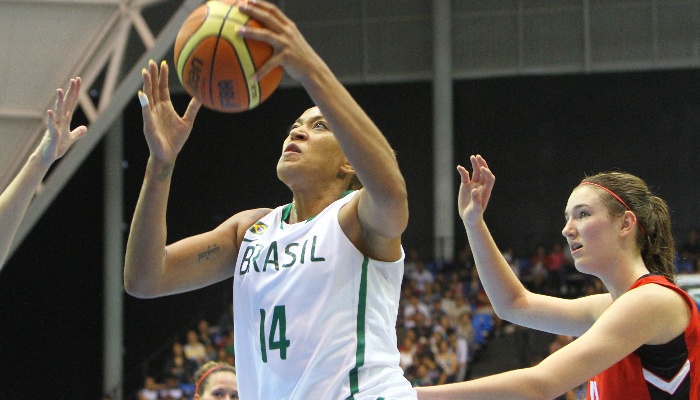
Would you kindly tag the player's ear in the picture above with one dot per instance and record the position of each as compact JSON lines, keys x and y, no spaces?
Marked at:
{"x":629,"y":222}
{"x":347,"y":169}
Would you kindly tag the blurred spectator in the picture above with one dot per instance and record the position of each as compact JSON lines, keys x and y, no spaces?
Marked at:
{"x":435,"y":374}
{"x":179,"y":366}
{"x":414,"y":306}
{"x":172,"y":389}
{"x":442,"y":326}
{"x":447,"y":360}
{"x":408,"y":350}
{"x":691,"y":246}
{"x":554,"y":262}
{"x":465,"y":331}
{"x":460,"y":307}
{"x":461,"y":349}
{"x":421,"y":276}
{"x":225,"y":323}
{"x":194,"y":349}
{"x":512,"y":260}
{"x":410,"y":262}
{"x":465,"y":259}
{"x":150,"y":389}
{"x":204,"y":331}
{"x":537,"y":263}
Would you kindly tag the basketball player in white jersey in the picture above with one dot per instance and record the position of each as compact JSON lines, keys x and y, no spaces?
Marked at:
{"x":317,"y":281}
{"x":15,"y":199}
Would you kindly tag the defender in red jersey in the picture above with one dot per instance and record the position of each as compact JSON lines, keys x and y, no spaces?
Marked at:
{"x":638,"y":341}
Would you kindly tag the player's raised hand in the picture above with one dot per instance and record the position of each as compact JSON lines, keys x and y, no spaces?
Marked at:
{"x":474,"y":191}
{"x":166,"y":131}
{"x":290,"y":48}
{"x":59,"y":137}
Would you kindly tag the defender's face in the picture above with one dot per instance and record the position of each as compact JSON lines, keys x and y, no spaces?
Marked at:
{"x":590,"y":230}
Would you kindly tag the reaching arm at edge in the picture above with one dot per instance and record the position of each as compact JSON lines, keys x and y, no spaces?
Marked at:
{"x":513,"y":302}
{"x":15,"y":199}
{"x":629,"y":323}
{"x":153,"y":269}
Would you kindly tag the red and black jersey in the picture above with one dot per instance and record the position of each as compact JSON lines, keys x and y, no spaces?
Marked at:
{"x":668,"y":371}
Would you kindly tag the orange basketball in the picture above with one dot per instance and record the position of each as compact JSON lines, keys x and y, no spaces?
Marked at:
{"x":216,"y":66}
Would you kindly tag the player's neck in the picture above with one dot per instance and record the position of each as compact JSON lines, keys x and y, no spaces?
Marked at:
{"x":306,"y":206}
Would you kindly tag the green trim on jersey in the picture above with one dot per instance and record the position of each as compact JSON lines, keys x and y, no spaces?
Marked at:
{"x":285,"y":214}
{"x":361,"y":310}
{"x":288,"y":209}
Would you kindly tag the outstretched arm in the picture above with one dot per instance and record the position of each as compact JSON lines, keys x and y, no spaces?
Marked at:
{"x":150,"y":269}
{"x":510,"y":299}
{"x":14,"y":201}
{"x":632,"y":321}
{"x":382,"y":205}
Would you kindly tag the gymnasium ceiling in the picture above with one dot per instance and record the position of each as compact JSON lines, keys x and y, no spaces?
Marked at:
{"x":107,"y":42}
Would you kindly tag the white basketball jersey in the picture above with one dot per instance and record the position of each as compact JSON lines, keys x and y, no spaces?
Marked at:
{"x":313,"y":317}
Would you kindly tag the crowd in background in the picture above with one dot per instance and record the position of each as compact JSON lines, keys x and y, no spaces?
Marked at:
{"x":444,"y":323}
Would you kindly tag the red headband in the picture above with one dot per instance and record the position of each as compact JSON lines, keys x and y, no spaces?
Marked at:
{"x":204,"y":376}
{"x":618,"y":199}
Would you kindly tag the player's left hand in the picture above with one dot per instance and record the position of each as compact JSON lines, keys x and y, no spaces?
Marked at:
{"x":59,"y":137}
{"x":290,"y":48}
{"x":474,"y":192}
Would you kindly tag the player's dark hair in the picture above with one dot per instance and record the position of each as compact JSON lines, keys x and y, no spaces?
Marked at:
{"x":654,"y":237}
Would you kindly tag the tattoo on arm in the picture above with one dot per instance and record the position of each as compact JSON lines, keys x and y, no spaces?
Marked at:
{"x":211,"y":249}
{"x":165,"y":172}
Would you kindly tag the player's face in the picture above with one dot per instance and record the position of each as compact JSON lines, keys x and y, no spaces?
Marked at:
{"x":220,"y":385}
{"x":310,"y":147}
{"x":590,"y":230}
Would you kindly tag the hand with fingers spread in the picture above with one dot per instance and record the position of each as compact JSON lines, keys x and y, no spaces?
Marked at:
{"x":166,"y":132}
{"x":290,"y":48}
{"x":14,"y":201}
{"x":59,"y":137}
{"x":474,"y":193}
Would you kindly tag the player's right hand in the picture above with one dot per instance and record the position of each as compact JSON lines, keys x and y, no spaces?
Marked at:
{"x":166,"y":131}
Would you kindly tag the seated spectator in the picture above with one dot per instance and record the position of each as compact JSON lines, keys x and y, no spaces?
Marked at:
{"x":465,"y":331}
{"x":447,"y":360}
{"x":225,"y":324}
{"x":179,"y":366}
{"x":447,"y":303}
{"x":204,"y":331}
{"x":437,"y":312}
{"x":509,"y":255}
{"x":172,"y":389}
{"x":461,"y":350}
{"x":194,"y":349}
{"x":421,"y":276}
{"x":442,"y":326}
{"x":414,"y":306}
{"x":422,"y":328}
{"x":461,"y":306}
{"x":691,"y":246}
{"x":684,"y":263}
{"x":537,"y":263}
{"x":150,"y":389}
{"x":407,"y":351}
{"x":429,"y":373}
{"x":412,"y":259}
